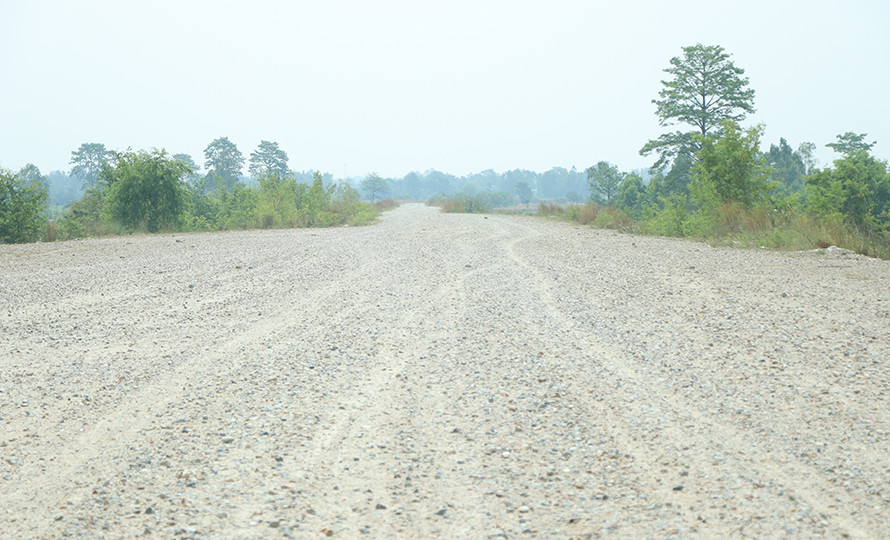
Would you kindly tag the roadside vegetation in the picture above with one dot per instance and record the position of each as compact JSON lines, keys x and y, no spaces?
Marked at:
{"x":130,"y":192}
{"x":710,"y":181}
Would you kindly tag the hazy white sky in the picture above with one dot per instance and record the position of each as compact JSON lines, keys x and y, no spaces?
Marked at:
{"x":392,"y":86}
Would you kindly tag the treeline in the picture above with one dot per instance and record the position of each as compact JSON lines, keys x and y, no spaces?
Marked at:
{"x":734,"y":194}
{"x":152,"y":191}
{"x":714,"y":183}
{"x":502,"y":189}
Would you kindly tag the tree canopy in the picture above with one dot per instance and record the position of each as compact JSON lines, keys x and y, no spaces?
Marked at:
{"x":223,"y":163}
{"x":850,"y":143}
{"x":604,"y":180}
{"x":88,"y":161}
{"x":145,"y":190}
{"x":268,"y":159}
{"x":705,"y":90}
{"x":857,"y":190}
{"x":730,"y":168}
{"x":375,"y":187}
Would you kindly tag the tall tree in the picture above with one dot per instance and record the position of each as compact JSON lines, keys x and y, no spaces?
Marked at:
{"x":375,"y":187}
{"x":187,"y":160}
{"x":603,"y":180}
{"x":705,"y":90}
{"x":30,"y":173}
{"x":268,"y":160}
{"x":88,"y":161}
{"x":223,"y":163}
{"x":524,"y":192}
{"x":806,"y":149}
{"x":788,"y":167}
{"x":850,"y":143}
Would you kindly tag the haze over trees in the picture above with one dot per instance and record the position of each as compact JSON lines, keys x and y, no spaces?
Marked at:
{"x":374,"y":187}
{"x":268,"y":159}
{"x":223,"y":162}
{"x":88,"y":161}
{"x":604,"y":180}
{"x":709,"y":180}
{"x":712,"y":181}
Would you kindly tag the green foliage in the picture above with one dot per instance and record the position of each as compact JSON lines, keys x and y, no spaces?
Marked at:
{"x":613,"y":218}
{"x":223,"y":163}
{"x":669,"y":216}
{"x":850,"y":143}
{"x":268,"y":159}
{"x":857,"y":191}
{"x":88,"y":161}
{"x":315,"y":209}
{"x":584,"y":214}
{"x":375,"y":187}
{"x":22,"y":205}
{"x":805,"y":150}
{"x":788,"y":167}
{"x":278,"y":201}
{"x":705,"y":90}
{"x":145,"y":190}
{"x":730,"y":169}
{"x":84,"y":217}
{"x":347,"y":204}
{"x":603,"y":180}
{"x":631,"y":195}
{"x":238,"y":208}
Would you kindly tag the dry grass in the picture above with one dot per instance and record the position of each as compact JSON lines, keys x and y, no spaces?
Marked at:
{"x":386,"y":204}
{"x":613,"y":218}
{"x":550,"y":209}
{"x":585,"y":214}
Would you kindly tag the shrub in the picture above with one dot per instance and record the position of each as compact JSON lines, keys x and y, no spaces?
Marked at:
{"x":386,"y":204}
{"x":584,"y":214}
{"x":22,"y":205}
{"x":613,"y":218}
{"x":550,"y":209}
{"x":145,"y":191}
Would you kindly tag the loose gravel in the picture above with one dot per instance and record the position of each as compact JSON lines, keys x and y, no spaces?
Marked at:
{"x":459,"y":376}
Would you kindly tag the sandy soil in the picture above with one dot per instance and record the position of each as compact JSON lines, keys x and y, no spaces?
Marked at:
{"x":457,"y":376}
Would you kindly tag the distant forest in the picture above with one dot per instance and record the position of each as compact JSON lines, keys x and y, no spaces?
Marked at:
{"x":555,"y":185}
{"x":710,"y":180}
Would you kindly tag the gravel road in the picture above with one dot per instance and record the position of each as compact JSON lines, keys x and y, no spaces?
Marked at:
{"x":459,"y":376}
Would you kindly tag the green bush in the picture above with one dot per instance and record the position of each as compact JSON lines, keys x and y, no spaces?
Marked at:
{"x":144,"y":191}
{"x":22,"y":207}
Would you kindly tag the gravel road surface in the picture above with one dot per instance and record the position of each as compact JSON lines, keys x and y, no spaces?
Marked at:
{"x":458,"y":376}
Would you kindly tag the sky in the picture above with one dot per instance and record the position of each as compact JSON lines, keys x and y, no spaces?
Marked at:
{"x":392,"y":86}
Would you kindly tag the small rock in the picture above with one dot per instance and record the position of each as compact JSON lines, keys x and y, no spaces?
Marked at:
{"x":274,"y":524}
{"x":149,"y":510}
{"x":380,"y":507}
{"x":678,"y":487}
{"x":228,"y":440}
{"x":441,"y":512}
